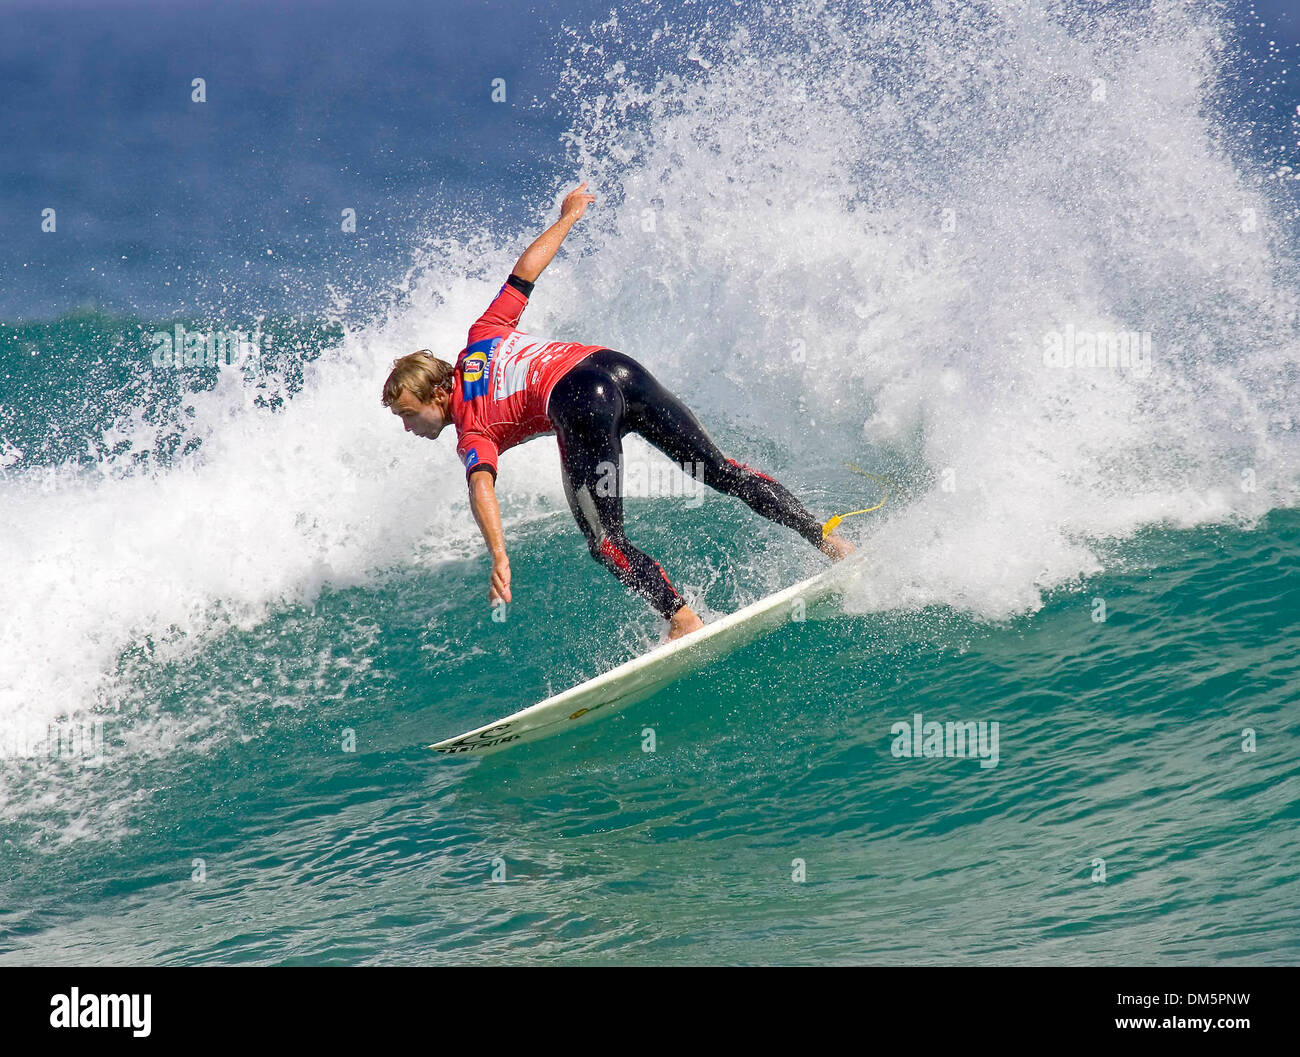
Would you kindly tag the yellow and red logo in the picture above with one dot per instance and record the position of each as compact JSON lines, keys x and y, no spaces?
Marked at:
{"x":473,"y":371}
{"x":474,"y":366}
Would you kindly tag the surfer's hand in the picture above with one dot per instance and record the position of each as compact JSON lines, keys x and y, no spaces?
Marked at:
{"x":500,"y":588}
{"x":575,"y":202}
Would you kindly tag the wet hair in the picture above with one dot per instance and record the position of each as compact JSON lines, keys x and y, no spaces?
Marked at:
{"x":419,"y":374}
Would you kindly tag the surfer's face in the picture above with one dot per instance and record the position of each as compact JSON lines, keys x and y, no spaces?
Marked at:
{"x":424,"y":420}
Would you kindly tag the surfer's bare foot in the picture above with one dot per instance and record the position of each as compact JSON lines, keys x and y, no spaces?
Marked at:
{"x":837,"y":547}
{"x":683,"y":622}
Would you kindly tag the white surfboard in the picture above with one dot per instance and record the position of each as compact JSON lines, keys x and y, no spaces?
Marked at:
{"x":639,"y":678}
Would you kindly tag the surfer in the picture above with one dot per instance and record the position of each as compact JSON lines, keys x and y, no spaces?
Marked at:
{"x":507,"y":387}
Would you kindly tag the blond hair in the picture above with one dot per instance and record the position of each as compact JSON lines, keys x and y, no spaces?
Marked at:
{"x":419,"y":374}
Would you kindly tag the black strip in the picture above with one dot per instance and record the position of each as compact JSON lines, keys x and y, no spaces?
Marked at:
{"x":522,"y":285}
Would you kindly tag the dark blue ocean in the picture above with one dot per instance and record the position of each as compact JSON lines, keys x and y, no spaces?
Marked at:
{"x":1031,"y":265}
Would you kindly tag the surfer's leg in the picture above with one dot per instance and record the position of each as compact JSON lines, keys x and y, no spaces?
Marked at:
{"x":672,"y":427}
{"x":587,"y":408}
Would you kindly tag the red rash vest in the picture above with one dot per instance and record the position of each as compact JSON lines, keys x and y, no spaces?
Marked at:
{"x":504,"y":379}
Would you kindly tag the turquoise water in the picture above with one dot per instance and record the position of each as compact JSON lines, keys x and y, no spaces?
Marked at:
{"x":237,"y":602}
{"x":1119,"y":740}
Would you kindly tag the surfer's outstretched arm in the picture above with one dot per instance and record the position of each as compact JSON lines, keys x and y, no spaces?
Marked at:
{"x":543,"y":249}
{"x":483,"y":501}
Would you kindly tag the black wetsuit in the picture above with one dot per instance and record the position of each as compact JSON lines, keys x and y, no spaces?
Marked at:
{"x":608,"y":394}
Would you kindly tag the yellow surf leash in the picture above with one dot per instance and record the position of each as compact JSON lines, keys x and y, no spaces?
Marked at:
{"x":831,"y":525}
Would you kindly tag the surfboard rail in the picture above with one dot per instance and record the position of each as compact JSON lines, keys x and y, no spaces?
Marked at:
{"x":642,"y":676}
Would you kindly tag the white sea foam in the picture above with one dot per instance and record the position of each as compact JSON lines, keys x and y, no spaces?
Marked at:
{"x":880,"y":215}
{"x":915,"y":200}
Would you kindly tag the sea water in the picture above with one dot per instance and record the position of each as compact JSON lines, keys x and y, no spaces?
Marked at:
{"x":1031,"y":266}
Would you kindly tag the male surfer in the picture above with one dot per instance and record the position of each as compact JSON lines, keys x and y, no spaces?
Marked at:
{"x":507,"y":387}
